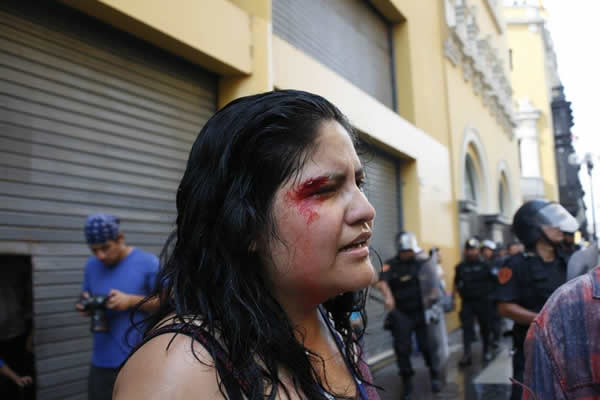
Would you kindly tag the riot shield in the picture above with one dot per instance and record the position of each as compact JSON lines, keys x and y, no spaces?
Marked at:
{"x":429,"y":282}
{"x":431,"y":293}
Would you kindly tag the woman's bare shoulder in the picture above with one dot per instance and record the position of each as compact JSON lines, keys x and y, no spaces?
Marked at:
{"x":155,"y":372}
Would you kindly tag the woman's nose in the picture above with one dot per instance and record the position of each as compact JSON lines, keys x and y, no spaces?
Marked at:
{"x":361,"y":210}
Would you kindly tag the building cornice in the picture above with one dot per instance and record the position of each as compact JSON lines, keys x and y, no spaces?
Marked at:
{"x":481,"y":65}
{"x":527,"y":111}
{"x":525,"y":21}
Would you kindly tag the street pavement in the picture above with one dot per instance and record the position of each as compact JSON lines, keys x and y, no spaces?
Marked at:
{"x":485,"y":381}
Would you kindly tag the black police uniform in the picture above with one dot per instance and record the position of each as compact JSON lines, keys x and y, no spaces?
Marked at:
{"x":408,"y":316}
{"x":475,"y":283}
{"x":528,"y":281}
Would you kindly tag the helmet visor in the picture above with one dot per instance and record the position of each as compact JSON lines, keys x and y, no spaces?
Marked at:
{"x":556,"y":216}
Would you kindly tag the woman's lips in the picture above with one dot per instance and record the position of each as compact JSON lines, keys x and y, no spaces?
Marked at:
{"x":360,"y":249}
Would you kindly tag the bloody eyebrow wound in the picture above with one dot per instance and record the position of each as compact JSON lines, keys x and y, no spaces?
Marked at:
{"x":308,"y":187}
{"x":312,"y":185}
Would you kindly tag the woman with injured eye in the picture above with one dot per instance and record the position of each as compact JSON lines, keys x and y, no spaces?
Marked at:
{"x":268,"y":260}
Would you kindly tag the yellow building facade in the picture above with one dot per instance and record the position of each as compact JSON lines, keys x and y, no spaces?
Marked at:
{"x":451,"y":80}
{"x":451,"y":75}
{"x":533,"y":74}
{"x":128,"y":84}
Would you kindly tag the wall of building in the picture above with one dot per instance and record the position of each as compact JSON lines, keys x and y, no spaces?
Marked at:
{"x":419,"y":71}
{"x":252,"y":59}
{"x":472,"y":122}
{"x":92,"y":120}
{"x":213,"y":33}
{"x":426,"y":183}
{"x":530,"y":79}
{"x":479,"y":116}
{"x":439,"y":97}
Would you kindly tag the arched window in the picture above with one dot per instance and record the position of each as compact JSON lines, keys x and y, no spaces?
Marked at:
{"x":471,"y":184}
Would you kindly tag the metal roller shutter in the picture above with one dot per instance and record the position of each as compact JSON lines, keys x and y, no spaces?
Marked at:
{"x":90,"y":120}
{"x":383,"y":191}
{"x":348,"y":36}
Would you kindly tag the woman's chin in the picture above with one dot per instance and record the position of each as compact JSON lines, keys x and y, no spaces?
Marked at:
{"x":361,"y":278}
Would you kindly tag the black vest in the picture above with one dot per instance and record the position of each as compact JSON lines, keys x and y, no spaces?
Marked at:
{"x":537,"y":281}
{"x":474,"y":280}
{"x":404,"y":283}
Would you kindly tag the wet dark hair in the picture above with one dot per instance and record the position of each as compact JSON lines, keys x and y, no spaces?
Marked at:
{"x":210,"y":270}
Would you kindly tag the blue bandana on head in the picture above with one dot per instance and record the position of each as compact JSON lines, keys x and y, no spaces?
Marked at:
{"x":100,"y":228}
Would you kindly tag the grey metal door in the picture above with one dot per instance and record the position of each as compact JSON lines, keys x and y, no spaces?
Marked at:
{"x":348,"y":36}
{"x":383,"y":191}
{"x":90,"y":120}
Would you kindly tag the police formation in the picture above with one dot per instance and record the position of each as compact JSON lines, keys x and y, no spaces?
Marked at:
{"x":492,"y":281}
{"x":412,"y":292}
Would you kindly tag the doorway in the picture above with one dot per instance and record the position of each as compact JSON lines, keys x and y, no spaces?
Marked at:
{"x":16,"y":324}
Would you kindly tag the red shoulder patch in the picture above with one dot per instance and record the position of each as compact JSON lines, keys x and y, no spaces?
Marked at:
{"x":504,"y":275}
{"x":385,"y":268}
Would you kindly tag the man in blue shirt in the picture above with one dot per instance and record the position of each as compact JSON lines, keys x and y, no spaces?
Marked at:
{"x":125,"y":275}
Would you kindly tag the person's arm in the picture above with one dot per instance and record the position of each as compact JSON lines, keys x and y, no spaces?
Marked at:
{"x":455,"y":283}
{"x":516,"y":312}
{"x":508,"y":294}
{"x":388,"y":299}
{"x":21,"y":381}
{"x":150,"y":306}
{"x":121,"y":301}
{"x":79,"y":307}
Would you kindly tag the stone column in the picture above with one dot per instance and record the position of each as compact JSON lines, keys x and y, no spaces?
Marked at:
{"x":526,"y":131}
{"x":532,"y":183}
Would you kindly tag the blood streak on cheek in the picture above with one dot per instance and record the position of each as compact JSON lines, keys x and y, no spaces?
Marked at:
{"x":303,"y":200}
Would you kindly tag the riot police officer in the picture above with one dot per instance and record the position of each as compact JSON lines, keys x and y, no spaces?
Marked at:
{"x":528,"y":279}
{"x":401,"y":286}
{"x":488,"y":250}
{"x":474,"y":282}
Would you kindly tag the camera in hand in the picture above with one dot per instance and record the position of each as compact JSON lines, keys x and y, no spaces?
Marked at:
{"x":96,"y":306}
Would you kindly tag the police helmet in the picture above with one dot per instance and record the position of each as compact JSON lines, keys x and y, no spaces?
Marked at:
{"x":533,"y":215}
{"x":488,"y":244}
{"x":407,"y":241}
{"x":472,"y":243}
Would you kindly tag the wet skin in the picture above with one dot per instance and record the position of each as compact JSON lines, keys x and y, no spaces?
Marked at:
{"x":319,"y":216}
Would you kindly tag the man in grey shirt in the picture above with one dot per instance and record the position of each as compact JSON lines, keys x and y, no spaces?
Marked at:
{"x":583,"y":261}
